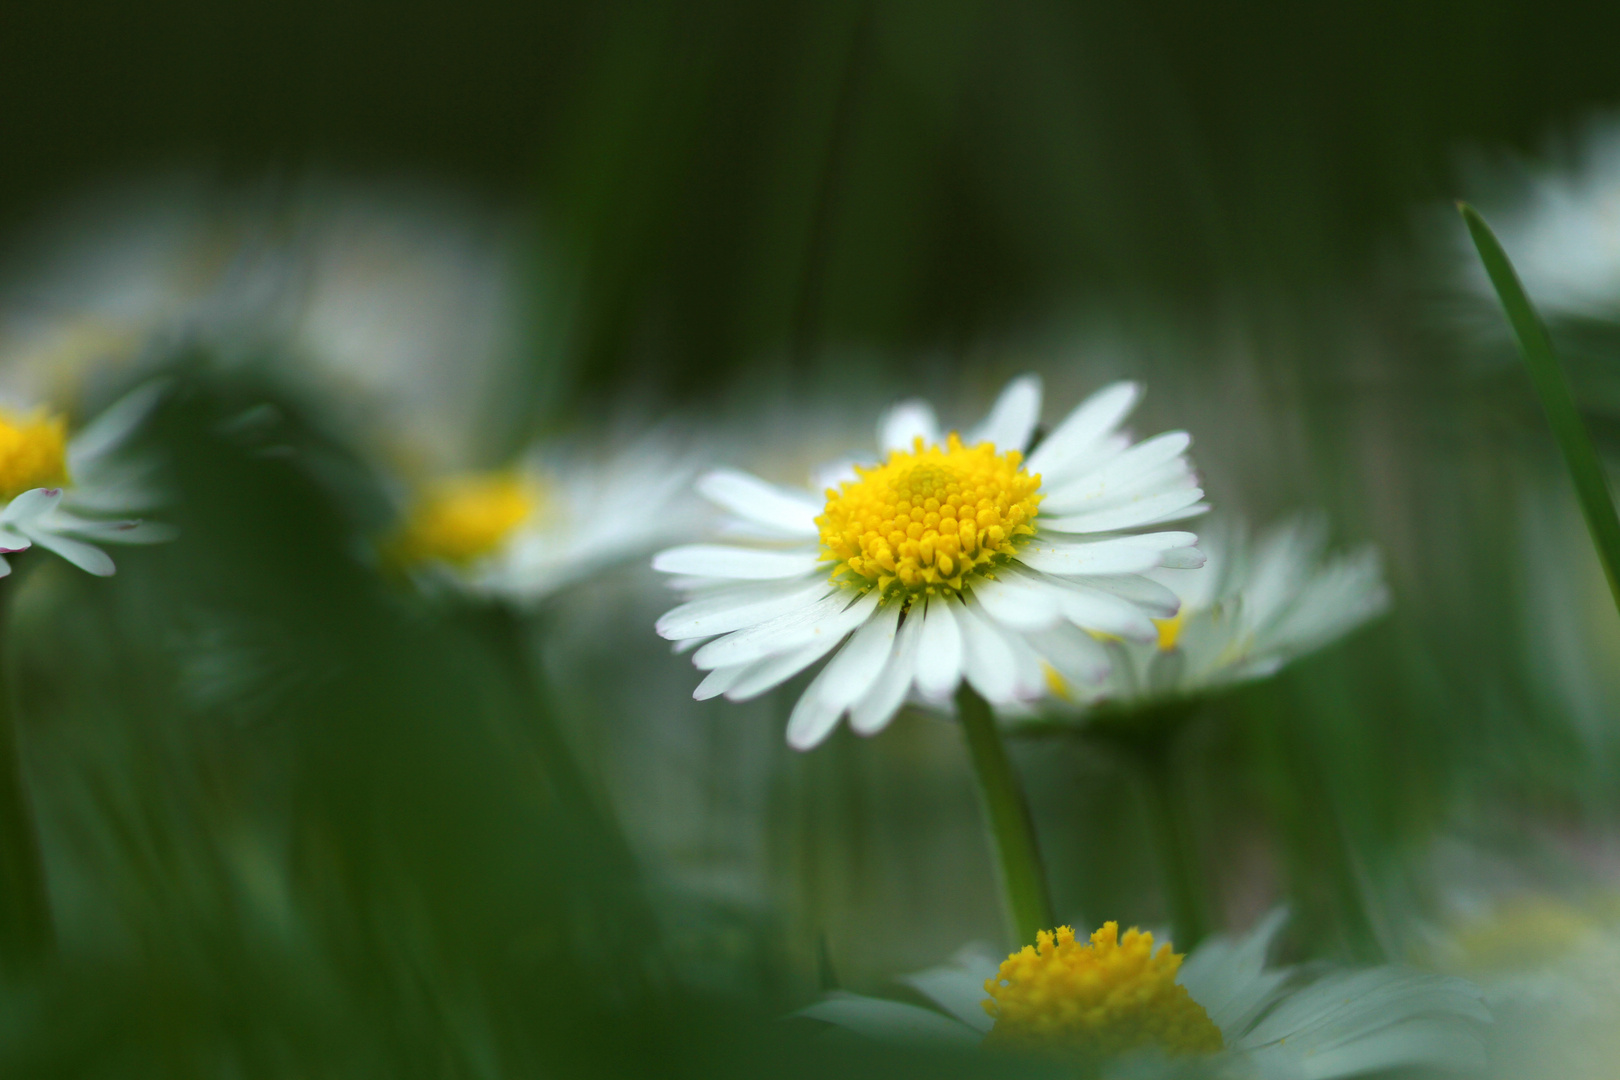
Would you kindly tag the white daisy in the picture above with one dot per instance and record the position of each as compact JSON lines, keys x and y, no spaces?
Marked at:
{"x":1563,"y":231}
{"x":525,"y":532}
{"x":1550,"y":972}
{"x":63,"y":493}
{"x":1119,"y":1001}
{"x":1248,"y":611}
{"x":955,"y":557}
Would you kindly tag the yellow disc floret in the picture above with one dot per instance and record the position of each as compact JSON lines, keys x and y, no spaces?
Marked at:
{"x":459,"y":520}
{"x":928,"y":518}
{"x":1096,"y":1000}
{"x":33,"y":452}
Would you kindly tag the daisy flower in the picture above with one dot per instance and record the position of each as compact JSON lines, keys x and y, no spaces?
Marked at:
{"x":1122,"y":1002}
{"x":1548,"y":969}
{"x":1251,"y":609}
{"x":69,"y":494}
{"x":1563,"y":231}
{"x":524,"y":533}
{"x":954,"y":557}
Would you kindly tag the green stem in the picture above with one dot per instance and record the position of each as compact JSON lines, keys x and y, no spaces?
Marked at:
{"x":1173,"y":837}
{"x":26,"y":934}
{"x":1012,"y":833}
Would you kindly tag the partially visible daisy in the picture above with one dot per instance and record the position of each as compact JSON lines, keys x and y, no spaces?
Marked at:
{"x":1563,"y":231}
{"x":1119,"y":1001}
{"x":524,"y":532}
{"x":1550,"y":972}
{"x":955,"y":557}
{"x":1252,"y":608}
{"x":69,"y":494}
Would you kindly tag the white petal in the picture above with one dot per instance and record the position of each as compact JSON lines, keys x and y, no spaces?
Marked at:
{"x":1228,"y":975}
{"x":958,"y":987}
{"x":890,"y":1021}
{"x":722,"y":561}
{"x":1154,"y":510}
{"x":846,"y":678}
{"x":828,"y":619}
{"x":1159,"y":455}
{"x":1016,"y":601}
{"x":939,"y":650}
{"x":1104,"y":613}
{"x":1121,"y":555}
{"x":86,"y":557}
{"x":1013,"y":418}
{"x":1183,"y":558}
{"x":719,"y":681}
{"x":773,"y":671}
{"x":30,"y":505}
{"x":987,"y":658}
{"x":732,"y":608}
{"x":1092,"y":421}
{"x":902,"y":424}
{"x":1154,"y":597}
{"x":128,"y":531}
{"x":1074,"y":654}
{"x":114,"y":425}
{"x":872,"y":713}
{"x":5,"y":566}
{"x":782,"y":510}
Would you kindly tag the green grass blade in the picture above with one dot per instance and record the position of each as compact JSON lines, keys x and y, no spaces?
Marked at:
{"x":1547,"y":375}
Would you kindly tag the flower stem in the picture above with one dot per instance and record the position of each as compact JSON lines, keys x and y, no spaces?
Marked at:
{"x":1012,"y":833}
{"x":1173,"y":836}
{"x":26,"y":934}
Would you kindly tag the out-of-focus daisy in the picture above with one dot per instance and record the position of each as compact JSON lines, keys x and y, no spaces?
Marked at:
{"x":954,"y":557}
{"x":525,"y":532}
{"x":69,"y":494}
{"x":1550,"y":972}
{"x":402,"y":309}
{"x":1248,"y":611}
{"x":1119,"y":1002}
{"x":1562,"y":231}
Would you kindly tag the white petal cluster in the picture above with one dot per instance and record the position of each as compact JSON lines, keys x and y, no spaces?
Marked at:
{"x":760,"y":613}
{"x":1563,"y":231}
{"x":594,"y":514}
{"x":96,"y":507}
{"x":1274,"y":1023}
{"x":1253,"y":607}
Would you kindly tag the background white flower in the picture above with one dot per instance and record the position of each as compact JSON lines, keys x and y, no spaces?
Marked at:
{"x":1273,"y":1023}
{"x":526,"y":532}
{"x":1253,"y":607}
{"x":951,"y":559}
{"x":1562,"y":230}
{"x":94,"y":485}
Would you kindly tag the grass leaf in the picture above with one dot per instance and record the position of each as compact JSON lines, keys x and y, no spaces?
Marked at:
{"x":1547,"y":375}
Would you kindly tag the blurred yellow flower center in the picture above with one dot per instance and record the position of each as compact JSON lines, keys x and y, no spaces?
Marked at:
{"x":1170,"y":629}
{"x":1097,"y":999}
{"x":928,"y":518}
{"x":459,"y":520}
{"x":1524,"y":933}
{"x":33,"y":452}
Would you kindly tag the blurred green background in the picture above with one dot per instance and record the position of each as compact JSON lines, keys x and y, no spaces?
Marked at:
{"x":298,"y":822}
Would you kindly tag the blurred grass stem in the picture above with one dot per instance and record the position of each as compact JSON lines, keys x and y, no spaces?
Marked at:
{"x":1552,"y":387}
{"x":26,"y":935}
{"x":1012,"y":832}
{"x":1173,"y":837}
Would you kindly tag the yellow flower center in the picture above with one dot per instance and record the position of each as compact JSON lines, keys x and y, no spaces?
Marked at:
{"x":1096,"y":1000}
{"x":33,"y":452}
{"x":928,"y":518}
{"x":459,"y":520}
